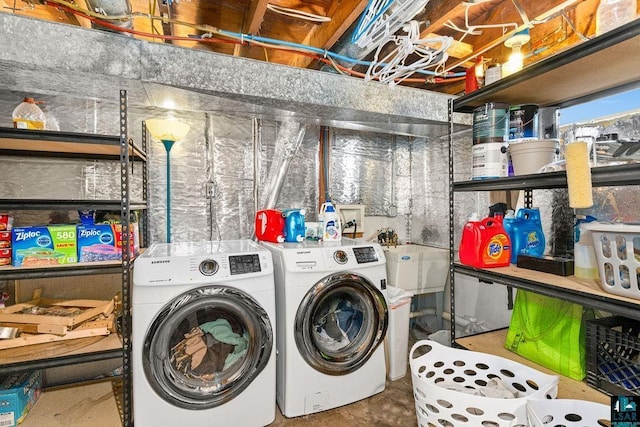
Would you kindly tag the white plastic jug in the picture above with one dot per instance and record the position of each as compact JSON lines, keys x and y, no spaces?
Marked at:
{"x":331,"y":225}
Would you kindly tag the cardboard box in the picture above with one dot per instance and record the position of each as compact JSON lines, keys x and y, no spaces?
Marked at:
{"x":5,"y":259}
{"x":6,"y":222}
{"x":44,"y":245}
{"x":103,"y":242}
{"x":18,"y":393}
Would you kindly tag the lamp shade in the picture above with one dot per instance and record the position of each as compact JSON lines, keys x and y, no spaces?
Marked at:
{"x":167,"y":129}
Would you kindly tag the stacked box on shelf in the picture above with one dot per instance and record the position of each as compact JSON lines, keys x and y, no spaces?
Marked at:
{"x":613,"y":348}
{"x":103,"y":242}
{"x":44,"y":245}
{"x":18,"y":393}
{"x":5,"y":239}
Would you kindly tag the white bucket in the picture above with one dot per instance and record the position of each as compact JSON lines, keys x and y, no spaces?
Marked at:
{"x":531,"y":155}
{"x":490,"y":160}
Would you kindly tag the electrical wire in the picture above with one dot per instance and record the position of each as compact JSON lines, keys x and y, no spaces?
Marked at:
{"x":230,"y":37}
{"x":297,"y":13}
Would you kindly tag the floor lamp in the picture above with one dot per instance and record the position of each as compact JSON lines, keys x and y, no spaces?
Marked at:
{"x":167,"y":131}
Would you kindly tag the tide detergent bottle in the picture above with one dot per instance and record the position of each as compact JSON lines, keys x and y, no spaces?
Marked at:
{"x":484,"y":243}
{"x":270,"y":225}
{"x":294,"y":229}
{"x":525,"y":232}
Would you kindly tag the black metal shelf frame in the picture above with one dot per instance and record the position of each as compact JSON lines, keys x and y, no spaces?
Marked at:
{"x":512,"y":89}
{"x":128,"y":153}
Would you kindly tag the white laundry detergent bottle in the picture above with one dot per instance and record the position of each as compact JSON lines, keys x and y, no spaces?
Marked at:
{"x":331,"y":226}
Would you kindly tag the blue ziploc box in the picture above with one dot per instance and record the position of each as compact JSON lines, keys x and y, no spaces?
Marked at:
{"x":103,"y":242}
{"x":40,"y":246}
{"x":18,"y":393}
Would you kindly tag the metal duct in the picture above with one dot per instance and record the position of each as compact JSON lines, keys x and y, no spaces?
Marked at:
{"x":289,"y":138}
{"x":117,"y":8}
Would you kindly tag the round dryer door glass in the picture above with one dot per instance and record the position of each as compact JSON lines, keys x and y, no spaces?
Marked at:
{"x":340,"y":323}
{"x":206,"y":346}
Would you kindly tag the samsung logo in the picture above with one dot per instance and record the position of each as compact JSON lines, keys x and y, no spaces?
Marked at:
{"x":163,"y":261}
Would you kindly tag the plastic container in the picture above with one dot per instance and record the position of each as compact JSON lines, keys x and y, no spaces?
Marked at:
{"x":294,"y":228}
{"x":484,"y":243}
{"x":270,"y":225}
{"x":526,"y":235}
{"x":567,"y":413}
{"x":617,"y":249}
{"x":613,"y":13}
{"x":613,"y":346}
{"x":396,"y":342}
{"x":331,"y":226}
{"x":530,"y":156}
{"x":28,"y":115}
{"x":440,"y":372}
{"x":584,"y":256}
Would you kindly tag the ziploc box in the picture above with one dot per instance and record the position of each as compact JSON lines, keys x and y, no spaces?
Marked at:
{"x":18,"y":393}
{"x":44,"y":245}
{"x":103,"y":242}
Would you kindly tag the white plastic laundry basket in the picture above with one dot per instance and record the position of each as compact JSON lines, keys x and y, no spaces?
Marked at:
{"x":617,"y":249}
{"x":440,"y":366}
{"x":567,"y":413}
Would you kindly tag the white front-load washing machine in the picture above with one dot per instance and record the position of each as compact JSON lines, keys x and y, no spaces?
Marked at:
{"x":331,"y":321}
{"x":203,"y":342}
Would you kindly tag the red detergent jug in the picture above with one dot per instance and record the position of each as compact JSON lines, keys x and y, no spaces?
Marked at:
{"x":485,"y":243}
{"x":270,"y":225}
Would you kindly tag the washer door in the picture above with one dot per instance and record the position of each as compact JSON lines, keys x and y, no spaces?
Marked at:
{"x":340,"y":323}
{"x":206,"y":346}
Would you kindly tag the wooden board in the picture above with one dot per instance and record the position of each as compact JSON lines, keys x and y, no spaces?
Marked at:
{"x":54,"y":349}
{"x":28,"y":339}
{"x":88,"y":309}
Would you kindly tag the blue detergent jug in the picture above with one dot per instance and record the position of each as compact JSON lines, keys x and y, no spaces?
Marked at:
{"x":294,"y":225}
{"x":525,"y":232}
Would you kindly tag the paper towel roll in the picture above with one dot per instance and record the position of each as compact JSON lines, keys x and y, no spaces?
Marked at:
{"x":579,"y":175}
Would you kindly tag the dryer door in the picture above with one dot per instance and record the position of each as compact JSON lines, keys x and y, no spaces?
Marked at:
{"x":340,"y":323}
{"x":206,"y":346}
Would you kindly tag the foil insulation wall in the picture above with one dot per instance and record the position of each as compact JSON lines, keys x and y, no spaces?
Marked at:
{"x":221,"y":168}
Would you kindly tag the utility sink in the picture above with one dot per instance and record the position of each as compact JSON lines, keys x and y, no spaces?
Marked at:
{"x":416,"y":268}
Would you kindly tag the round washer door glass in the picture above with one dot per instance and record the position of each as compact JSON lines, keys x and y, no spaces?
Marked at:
{"x":340,"y":323}
{"x":206,"y":346}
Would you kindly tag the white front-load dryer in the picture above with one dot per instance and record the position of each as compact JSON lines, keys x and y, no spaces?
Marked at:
{"x":203,"y":349}
{"x":331,"y":320}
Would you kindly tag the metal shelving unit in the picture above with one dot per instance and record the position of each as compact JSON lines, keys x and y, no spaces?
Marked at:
{"x":584,"y":72}
{"x":19,"y":142}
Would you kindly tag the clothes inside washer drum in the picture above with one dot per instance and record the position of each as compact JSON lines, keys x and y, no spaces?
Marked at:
{"x":341,"y":322}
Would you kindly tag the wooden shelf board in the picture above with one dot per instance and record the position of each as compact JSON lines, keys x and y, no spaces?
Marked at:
{"x":95,"y":404}
{"x":493,"y":343}
{"x":33,"y":353}
{"x":602,"y":65}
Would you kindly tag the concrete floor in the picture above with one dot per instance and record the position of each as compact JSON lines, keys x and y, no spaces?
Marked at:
{"x":394,"y":407}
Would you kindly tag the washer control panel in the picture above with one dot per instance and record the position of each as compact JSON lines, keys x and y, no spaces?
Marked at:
{"x":365,"y":254}
{"x":243,"y":264}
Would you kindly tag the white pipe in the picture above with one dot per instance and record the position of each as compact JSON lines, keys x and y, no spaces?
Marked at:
{"x":422,"y":312}
{"x":460,"y":321}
